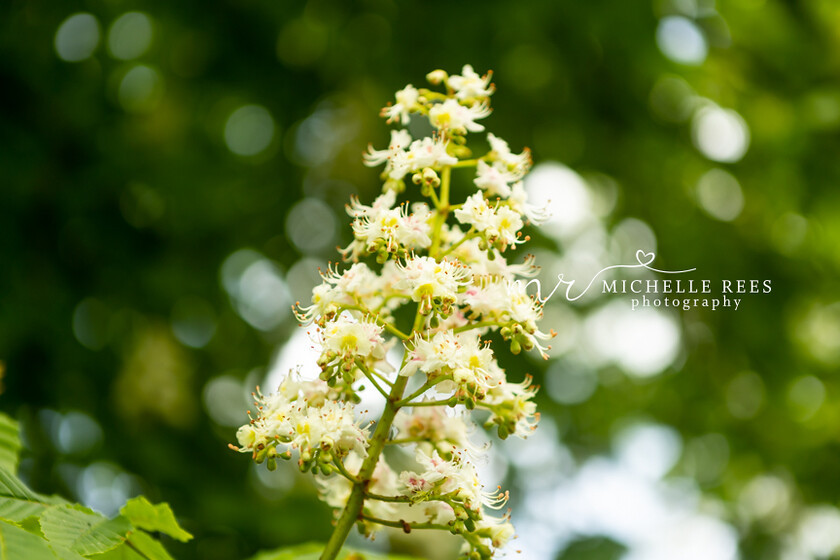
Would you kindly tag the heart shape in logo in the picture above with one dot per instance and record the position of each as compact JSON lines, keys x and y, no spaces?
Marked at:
{"x":644,"y":258}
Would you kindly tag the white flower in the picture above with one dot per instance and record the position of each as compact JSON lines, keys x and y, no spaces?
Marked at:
{"x":436,"y":76}
{"x":455,"y":478}
{"x":506,"y":227}
{"x":470,"y":85}
{"x":406,"y":100}
{"x":474,"y":367}
{"x":468,"y":363}
{"x":330,"y":427}
{"x":451,"y":115}
{"x":428,"y":152}
{"x":348,"y":339}
{"x":506,"y":301}
{"x":431,"y":356}
{"x":518,"y":201}
{"x":299,"y":416}
{"x":500,"y":152}
{"x":399,"y":140}
{"x":425,"y":280}
{"x":493,"y":179}
{"x":476,"y":212}
{"x":435,"y":426}
{"x":357,"y":283}
{"x":498,"y":530}
{"x":488,"y":297}
{"x":499,"y":224}
{"x":393,"y":229}
{"x":512,"y":408}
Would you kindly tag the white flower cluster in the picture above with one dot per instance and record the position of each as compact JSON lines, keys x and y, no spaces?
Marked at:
{"x":302,"y":416}
{"x":447,"y":263}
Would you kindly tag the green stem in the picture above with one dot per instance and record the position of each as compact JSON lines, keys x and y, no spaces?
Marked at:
{"x":434,"y":197}
{"x":399,"y":441}
{"x":426,"y":386}
{"x":470,"y":235}
{"x":466,"y":163}
{"x":355,"y":503}
{"x":431,"y":403}
{"x":370,"y":377}
{"x":405,"y":526}
{"x":442,"y":212}
{"x":353,"y":510}
{"x":339,"y":464}
{"x":479,"y":325}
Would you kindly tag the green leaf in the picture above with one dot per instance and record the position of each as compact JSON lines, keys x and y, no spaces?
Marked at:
{"x":9,"y":443}
{"x":17,"y":509}
{"x":312,"y":551}
{"x":11,"y":486}
{"x":64,"y":554}
{"x":81,"y":530}
{"x":17,"y":502}
{"x":122,"y":552}
{"x":139,"y":546}
{"x":17,"y":544}
{"x":147,"y":545}
{"x":144,"y":515}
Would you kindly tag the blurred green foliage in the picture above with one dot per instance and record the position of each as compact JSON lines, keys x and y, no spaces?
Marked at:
{"x":128,"y":183}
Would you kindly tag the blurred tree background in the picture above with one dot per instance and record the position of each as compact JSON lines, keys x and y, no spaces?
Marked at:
{"x":175,"y":172}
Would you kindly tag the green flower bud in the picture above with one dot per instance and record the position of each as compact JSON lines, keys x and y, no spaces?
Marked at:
{"x":504,"y":432}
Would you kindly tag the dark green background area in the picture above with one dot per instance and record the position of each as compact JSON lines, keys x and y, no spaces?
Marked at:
{"x":134,"y":209}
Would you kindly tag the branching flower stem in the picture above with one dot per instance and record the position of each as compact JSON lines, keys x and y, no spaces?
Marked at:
{"x":355,"y":504}
{"x":426,"y":386}
{"x":405,"y":526}
{"x":371,"y":378}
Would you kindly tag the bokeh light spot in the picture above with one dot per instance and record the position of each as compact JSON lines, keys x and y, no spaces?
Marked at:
{"x":130,"y":35}
{"x":789,"y":232}
{"x":564,"y":194}
{"x":141,"y":88}
{"x":764,"y":497}
{"x":681,"y":40}
{"x":672,"y":99}
{"x":745,"y":395}
{"x":257,"y":288}
{"x":77,"y":37}
{"x":105,"y":487}
{"x":720,"y":134}
{"x":642,"y":342}
{"x":193,"y":321}
{"x":720,"y":195}
{"x":90,"y":324}
{"x":311,"y":225}
{"x":818,"y":331}
{"x":225,"y":400}
{"x":568,"y":384}
{"x":249,"y":130}
{"x":650,"y":450}
{"x":805,"y":396}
